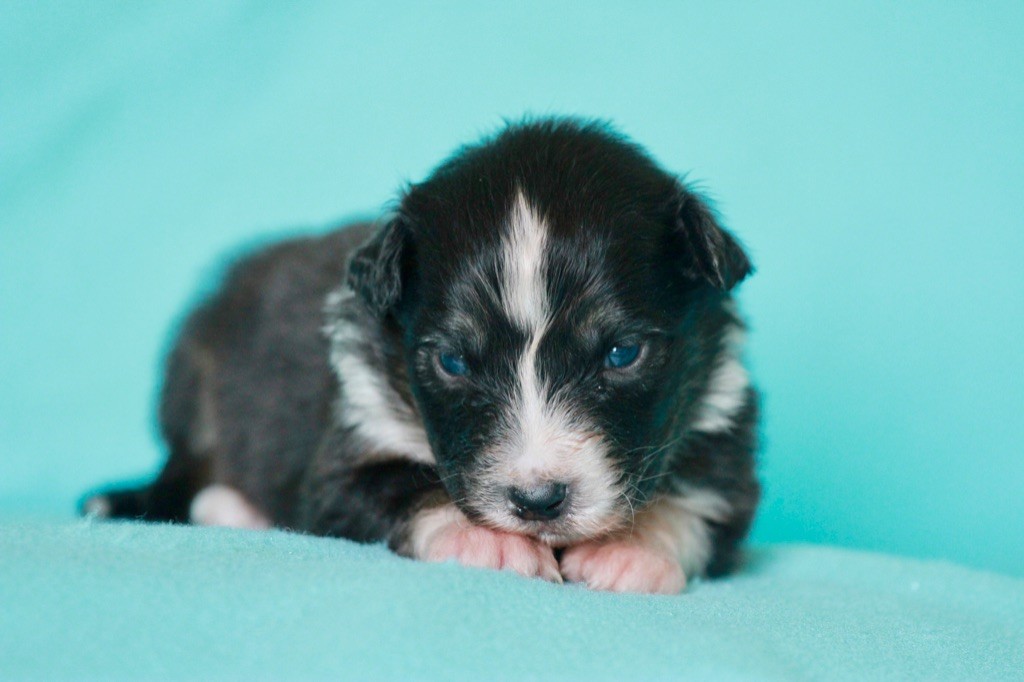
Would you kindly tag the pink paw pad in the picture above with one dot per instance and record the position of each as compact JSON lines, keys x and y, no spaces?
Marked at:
{"x":623,"y":566}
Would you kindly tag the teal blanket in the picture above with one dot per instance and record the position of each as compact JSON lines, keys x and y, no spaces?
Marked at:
{"x":129,"y":601}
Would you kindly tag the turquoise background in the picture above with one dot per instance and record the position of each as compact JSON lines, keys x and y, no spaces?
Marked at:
{"x":870,"y":155}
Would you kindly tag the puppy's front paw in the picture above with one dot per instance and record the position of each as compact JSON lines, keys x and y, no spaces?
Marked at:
{"x":624,"y":565}
{"x":445,"y":533}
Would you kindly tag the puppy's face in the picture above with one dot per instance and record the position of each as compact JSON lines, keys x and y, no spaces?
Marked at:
{"x":559,"y":298}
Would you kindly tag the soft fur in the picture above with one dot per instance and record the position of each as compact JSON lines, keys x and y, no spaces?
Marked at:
{"x":311,"y":391}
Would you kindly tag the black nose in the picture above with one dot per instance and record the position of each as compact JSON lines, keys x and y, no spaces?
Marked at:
{"x":539,"y":503}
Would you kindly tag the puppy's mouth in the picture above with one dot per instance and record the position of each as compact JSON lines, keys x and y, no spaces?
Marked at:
{"x":562,"y":489}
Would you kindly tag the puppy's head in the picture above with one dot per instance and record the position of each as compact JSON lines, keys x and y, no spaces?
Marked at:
{"x":560,"y":299}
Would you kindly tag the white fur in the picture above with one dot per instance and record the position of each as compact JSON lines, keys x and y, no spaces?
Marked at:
{"x":685,"y":520}
{"x":220,"y":505}
{"x":534,"y":425}
{"x":543,"y":441}
{"x":546,"y":445}
{"x":98,"y":507}
{"x":727,"y":388}
{"x":367,"y":403}
{"x":524,"y":293}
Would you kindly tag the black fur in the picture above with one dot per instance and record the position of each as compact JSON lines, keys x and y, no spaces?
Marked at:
{"x":250,"y":399}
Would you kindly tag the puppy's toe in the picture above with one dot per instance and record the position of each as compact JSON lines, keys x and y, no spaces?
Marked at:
{"x":529,"y":557}
{"x":445,"y":534}
{"x":623,"y":566}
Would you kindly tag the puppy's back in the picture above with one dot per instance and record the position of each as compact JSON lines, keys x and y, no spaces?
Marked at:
{"x":247,"y":386}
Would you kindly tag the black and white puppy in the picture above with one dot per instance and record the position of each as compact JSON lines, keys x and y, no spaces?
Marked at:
{"x":532,"y":365}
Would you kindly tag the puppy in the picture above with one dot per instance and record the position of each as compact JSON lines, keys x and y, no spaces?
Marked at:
{"x":533,"y":364}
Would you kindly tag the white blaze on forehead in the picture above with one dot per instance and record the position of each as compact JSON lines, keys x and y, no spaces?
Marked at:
{"x":524,"y":290}
{"x":532,"y":423}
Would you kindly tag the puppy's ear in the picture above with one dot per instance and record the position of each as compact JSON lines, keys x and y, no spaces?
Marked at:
{"x":709,"y":253}
{"x":376,"y":268}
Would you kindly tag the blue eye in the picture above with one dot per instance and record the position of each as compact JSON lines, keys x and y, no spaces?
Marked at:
{"x":453,"y":363}
{"x":620,"y":357}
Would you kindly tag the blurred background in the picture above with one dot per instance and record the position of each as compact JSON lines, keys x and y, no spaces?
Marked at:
{"x":870,"y":155}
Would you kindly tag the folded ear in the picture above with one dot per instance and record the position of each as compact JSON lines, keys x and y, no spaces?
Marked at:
{"x":709,"y":252}
{"x":375,"y":269}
